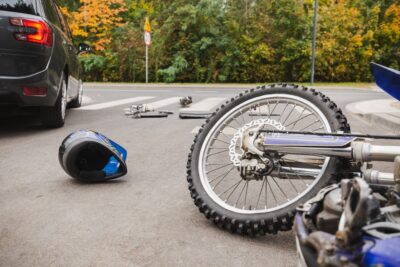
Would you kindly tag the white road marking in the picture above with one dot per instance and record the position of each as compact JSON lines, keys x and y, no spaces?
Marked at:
{"x":104,"y":90}
{"x":86,"y":100}
{"x":205,"y":104}
{"x":164,"y":102}
{"x":206,"y":92}
{"x":116,"y":103}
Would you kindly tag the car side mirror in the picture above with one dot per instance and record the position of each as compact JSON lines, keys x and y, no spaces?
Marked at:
{"x":83,"y":48}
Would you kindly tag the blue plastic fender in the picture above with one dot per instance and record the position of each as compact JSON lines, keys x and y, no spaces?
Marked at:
{"x":387,"y":79}
{"x":384,"y":252}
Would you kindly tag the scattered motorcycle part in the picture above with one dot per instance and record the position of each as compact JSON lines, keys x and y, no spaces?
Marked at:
{"x":152,"y":115}
{"x":247,"y":191}
{"x":186,"y":101}
{"x":89,"y":156}
{"x":146,"y":111}
{"x":135,"y":110}
{"x":194,"y":115}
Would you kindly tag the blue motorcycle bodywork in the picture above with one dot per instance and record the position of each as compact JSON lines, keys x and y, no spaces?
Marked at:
{"x":382,"y":252}
{"x":387,"y":79}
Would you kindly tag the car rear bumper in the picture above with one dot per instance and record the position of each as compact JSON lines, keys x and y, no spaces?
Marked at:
{"x":11,"y":90}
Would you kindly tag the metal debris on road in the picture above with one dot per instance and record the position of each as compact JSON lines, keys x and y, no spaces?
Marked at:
{"x":186,"y":101}
{"x":146,"y":111}
{"x":194,"y":115}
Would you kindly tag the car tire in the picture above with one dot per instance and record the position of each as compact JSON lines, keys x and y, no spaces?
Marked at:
{"x":54,"y":117}
{"x":77,"y":102}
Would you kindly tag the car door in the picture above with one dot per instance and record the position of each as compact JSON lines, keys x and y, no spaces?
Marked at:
{"x":71,"y":52}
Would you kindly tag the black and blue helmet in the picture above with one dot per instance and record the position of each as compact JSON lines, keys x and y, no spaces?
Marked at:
{"x":89,"y":156}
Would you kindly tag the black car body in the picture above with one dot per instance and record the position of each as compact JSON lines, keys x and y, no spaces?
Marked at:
{"x":38,"y":61}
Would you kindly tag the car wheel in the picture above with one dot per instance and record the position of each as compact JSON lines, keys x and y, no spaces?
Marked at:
{"x":54,"y":116}
{"x":77,"y":102}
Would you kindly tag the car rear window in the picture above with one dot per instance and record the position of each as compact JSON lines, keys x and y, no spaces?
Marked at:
{"x":22,"y":6}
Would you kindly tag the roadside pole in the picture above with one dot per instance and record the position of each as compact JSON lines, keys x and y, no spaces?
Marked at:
{"x":147,"y":63}
{"x":147,"y":41}
{"x":314,"y":41}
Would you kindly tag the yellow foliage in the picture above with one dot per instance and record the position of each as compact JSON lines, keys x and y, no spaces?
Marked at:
{"x":391,"y":26}
{"x":357,"y":40}
{"x":369,"y":35}
{"x":96,"y":19}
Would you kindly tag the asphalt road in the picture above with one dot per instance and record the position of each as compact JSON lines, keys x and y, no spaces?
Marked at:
{"x":147,"y":218}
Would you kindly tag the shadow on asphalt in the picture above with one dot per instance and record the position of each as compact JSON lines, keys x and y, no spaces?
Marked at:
{"x":73,"y":182}
{"x":282,"y":240}
{"x":20,"y":121}
{"x":24,"y":123}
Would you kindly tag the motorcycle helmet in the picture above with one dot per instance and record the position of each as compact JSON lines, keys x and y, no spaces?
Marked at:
{"x":89,"y":156}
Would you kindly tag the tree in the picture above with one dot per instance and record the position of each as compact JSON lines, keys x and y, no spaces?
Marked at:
{"x":95,"y":20}
{"x":236,"y":41}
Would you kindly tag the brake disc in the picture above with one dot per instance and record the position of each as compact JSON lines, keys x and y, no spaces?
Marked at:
{"x":236,"y":157}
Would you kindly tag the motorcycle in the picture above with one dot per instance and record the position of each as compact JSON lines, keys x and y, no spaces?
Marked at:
{"x":270,"y":149}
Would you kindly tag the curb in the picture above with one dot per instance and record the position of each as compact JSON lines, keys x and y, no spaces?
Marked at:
{"x":389,"y":120}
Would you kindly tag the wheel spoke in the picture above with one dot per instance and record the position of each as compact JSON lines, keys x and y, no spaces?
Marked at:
{"x":223,"y":177}
{"x":219,"y":140}
{"x":217,"y":148}
{"x":272,"y":191}
{"x":216,"y":153}
{"x":301,"y":114}
{"x":320,"y":128}
{"x":311,"y":124}
{"x":218,"y":164}
{"x":283,"y":193}
{"x":234,"y":188}
{"x":290,"y":113}
{"x":306,"y":116}
{"x":259,"y":194}
{"x":241,"y":192}
{"x":245,"y":196}
{"x":227,"y":137}
{"x":283,"y":112}
{"x":218,"y":168}
{"x":272,"y":112}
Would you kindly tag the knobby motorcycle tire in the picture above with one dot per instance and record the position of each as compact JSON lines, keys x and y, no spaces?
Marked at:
{"x":277,"y":220}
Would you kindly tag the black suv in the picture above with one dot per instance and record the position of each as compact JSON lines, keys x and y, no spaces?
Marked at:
{"x":38,"y":61}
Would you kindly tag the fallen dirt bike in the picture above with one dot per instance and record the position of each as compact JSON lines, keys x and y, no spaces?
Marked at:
{"x":271,"y":149}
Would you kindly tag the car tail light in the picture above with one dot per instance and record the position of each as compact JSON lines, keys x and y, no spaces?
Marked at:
{"x":34,"y":91}
{"x":33,"y":31}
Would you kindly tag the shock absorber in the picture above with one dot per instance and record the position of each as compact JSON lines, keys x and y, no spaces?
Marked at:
{"x":365,"y":152}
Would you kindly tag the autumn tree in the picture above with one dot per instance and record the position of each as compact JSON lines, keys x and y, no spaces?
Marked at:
{"x":95,"y":20}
